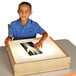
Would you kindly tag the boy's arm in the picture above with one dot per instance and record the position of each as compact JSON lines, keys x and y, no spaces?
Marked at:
{"x":9,"y":38}
{"x":44,"y":36}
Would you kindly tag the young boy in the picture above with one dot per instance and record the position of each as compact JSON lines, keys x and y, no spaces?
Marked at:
{"x":24,"y":28}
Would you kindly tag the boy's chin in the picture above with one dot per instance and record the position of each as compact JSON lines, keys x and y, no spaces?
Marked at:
{"x":23,"y":19}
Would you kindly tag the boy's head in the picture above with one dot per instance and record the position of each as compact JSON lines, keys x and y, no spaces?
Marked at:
{"x":24,"y":10}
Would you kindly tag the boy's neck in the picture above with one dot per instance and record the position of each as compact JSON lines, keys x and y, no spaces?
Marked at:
{"x":24,"y":22}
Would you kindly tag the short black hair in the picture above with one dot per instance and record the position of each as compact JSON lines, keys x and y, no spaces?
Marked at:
{"x":27,"y":3}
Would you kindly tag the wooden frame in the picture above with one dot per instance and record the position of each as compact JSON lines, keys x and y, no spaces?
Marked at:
{"x":21,"y":64}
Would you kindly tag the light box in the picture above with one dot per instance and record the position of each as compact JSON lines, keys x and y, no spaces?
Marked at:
{"x":51,"y":57}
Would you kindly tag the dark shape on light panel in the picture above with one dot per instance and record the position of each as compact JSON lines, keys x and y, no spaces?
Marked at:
{"x":29,"y":48}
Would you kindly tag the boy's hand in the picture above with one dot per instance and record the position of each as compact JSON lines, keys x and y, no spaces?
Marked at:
{"x":7,"y":41}
{"x":38,"y":45}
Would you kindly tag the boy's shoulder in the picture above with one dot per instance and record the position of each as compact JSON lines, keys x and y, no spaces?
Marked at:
{"x":33,"y":22}
{"x":15,"y":21}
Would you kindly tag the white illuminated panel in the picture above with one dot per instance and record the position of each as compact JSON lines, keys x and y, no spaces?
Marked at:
{"x":50,"y":50}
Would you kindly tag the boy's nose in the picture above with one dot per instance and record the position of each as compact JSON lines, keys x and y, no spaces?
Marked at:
{"x":23,"y":12}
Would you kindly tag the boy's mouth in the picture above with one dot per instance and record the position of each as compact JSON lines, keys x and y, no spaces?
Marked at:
{"x":23,"y":16}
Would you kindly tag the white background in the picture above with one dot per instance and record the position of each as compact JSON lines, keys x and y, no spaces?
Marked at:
{"x":57,"y":17}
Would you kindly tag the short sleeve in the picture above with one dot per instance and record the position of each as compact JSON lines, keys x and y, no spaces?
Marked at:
{"x":11,"y":30}
{"x":39,"y":29}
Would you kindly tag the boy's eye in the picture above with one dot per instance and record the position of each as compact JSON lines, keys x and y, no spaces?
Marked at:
{"x":25,"y":11}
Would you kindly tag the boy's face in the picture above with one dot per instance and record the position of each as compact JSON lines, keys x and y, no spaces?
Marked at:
{"x":24,"y":11}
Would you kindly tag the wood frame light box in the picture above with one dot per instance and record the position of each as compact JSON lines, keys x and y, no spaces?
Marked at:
{"x":52,"y":57}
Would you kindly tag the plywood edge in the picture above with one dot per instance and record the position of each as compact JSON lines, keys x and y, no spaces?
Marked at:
{"x":42,"y":66}
{"x":59,"y":47}
{"x":10,"y":56}
{"x":26,"y":40}
{"x":68,"y":57}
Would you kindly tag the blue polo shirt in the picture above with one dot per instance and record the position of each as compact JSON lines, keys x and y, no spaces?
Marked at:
{"x":30,"y":30}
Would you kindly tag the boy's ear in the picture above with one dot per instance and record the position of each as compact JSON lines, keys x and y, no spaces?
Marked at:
{"x":30,"y":12}
{"x":18,"y":11}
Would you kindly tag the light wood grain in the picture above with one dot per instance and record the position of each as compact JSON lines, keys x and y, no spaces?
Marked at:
{"x":53,"y":57}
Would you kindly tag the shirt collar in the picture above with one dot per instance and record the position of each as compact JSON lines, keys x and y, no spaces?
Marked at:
{"x":28,"y":24}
